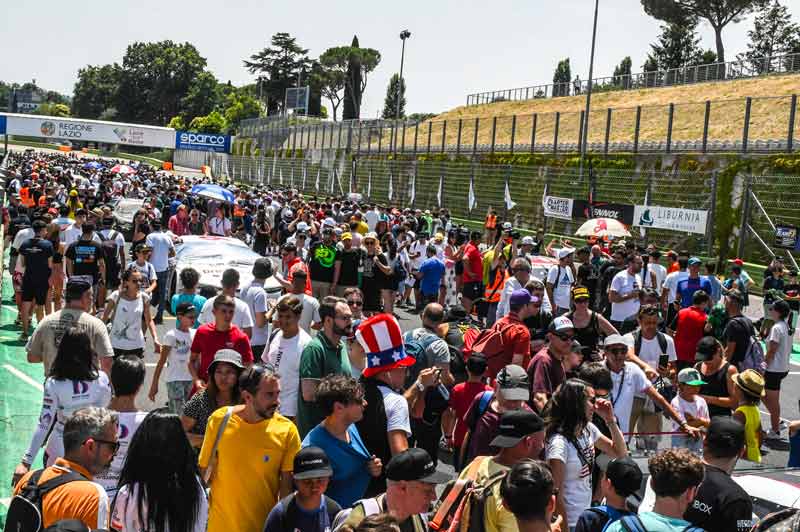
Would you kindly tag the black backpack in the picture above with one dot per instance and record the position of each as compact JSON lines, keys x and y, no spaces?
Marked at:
{"x":25,"y":511}
{"x":111,"y":255}
{"x":290,"y":511}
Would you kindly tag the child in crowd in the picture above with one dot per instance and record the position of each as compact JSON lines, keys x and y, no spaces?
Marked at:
{"x":749,"y":391}
{"x":176,"y":349}
{"x":691,"y":408}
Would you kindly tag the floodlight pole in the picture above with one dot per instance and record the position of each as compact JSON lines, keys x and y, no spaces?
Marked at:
{"x":405,"y":34}
{"x":585,"y":132}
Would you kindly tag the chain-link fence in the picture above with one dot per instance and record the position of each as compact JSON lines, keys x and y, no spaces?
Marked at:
{"x":773,"y":200}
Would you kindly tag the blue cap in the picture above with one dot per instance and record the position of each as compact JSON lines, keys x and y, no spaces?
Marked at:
{"x":694,"y":261}
{"x":521,"y":297}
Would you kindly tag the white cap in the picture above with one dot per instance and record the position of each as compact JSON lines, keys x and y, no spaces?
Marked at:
{"x":565,"y":252}
{"x":330,"y":222}
{"x":302,"y":226}
{"x":507,"y":225}
{"x":527,"y":240}
{"x":616,"y":339}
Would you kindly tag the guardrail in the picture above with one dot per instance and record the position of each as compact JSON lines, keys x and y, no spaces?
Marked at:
{"x":730,"y":70}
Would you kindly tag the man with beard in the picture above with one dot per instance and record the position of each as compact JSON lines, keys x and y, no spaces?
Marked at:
{"x":252,"y":438}
{"x":325,"y":354}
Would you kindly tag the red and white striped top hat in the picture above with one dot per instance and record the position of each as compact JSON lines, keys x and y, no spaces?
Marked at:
{"x":382,"y":341}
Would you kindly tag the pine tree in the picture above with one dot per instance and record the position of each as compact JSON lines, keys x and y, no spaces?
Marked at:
{"x":352,"y":95}
{"x":773,"y":34}
{"x":622,"y":73}
{"x":390,"y":102}
{"x":561,"y":78}
{"x":677,"y":46}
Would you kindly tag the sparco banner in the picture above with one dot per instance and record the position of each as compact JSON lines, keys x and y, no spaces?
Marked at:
{"x":616,"y":211}
{"x":555,"y":207}
{"x":90,"y":131}
{"x":186,"y":140}
{"x":673,"y":218}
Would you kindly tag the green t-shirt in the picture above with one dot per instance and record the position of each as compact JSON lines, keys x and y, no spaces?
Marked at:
{"x":654,"y":522}
{"x":319,"y":358}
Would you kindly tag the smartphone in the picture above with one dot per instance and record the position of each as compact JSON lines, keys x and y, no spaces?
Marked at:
{"x":663,"y":360}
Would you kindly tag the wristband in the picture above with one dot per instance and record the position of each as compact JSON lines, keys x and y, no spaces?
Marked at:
{"x":420,"y":386}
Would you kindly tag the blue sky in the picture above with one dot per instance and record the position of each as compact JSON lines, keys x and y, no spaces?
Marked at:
{"x":457,"y":47}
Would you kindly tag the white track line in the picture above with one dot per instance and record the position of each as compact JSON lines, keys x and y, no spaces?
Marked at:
{"x":17,"y":373}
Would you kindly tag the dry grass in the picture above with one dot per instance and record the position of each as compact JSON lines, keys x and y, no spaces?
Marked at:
{"x":768,"y":120}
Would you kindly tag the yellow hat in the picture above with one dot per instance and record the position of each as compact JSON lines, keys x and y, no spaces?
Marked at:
{"x":347,"y":236}
{"x":73,"y":193}
{"x":439,"y":237}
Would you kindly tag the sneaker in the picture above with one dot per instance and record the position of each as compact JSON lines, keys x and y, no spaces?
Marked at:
{"x":784,"y":425}
{"x":773,"y":435}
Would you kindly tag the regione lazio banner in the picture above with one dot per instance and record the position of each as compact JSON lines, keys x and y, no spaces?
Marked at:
{"x":673,"y":218}
{"x":555,"y":207}
{"x":90,"y":131}
{"x":186,"y":140}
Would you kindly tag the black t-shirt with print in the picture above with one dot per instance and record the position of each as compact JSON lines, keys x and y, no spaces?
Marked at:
{"x":321,"y":258}
{"x":85,"y":255}
{"x":351,"y":260}
{"x":721,"y":505}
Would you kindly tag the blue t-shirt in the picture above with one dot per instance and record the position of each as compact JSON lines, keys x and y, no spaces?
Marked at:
{"x":196,"y":300}
{"x":687,"y":287}
{"x":303,"y":521}
{"x":654,"y":522}
{"x":794,"y":450}
{"x":432,"y":270}
{"x":349,"y":461}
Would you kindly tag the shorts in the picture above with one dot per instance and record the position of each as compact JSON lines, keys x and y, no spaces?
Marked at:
{"x":472,"y":290}
{"x":31,"y":290}
{"x":772,"y":380}
{"x":178,"y":392}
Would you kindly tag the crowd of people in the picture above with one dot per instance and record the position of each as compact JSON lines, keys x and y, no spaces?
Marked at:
{"x":314,"y":410}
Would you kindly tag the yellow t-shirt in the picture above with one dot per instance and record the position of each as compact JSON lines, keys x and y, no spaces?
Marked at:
{"x":250,"y":458}
{"x":496,"y":517}
{"x":752,"y":426}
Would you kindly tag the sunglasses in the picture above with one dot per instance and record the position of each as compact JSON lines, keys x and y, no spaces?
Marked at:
{"x":582,"y":301}
{"x":565,"y":337}
{"x":355,"y":303}
{"x":617,"y":350}
{"x":113,"y":444}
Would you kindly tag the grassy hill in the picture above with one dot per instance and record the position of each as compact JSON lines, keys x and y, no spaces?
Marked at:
{"x":768,"y":120}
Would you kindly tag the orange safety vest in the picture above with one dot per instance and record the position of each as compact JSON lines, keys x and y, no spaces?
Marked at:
{"x":25,"y":197}
{"x":491,"y":221}
{"x":43,"y":200}
{"x":495,"y":289}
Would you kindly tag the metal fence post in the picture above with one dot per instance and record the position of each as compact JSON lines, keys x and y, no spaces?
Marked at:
{"x":430,"y":132}
{"x":608,"y":130}
{"x":393,"y":138}
{"x":403,"y":139}
{"x":513,"y":131}
{"x":670,"y":119}
{"x":636,"y":128}
{"x":706,"y":119}
{"x":555,"y":133}
{"x":711,"y":214}
{"x":416,"y":136}
{"x":533,"y":132}
{"x":322,"y":140}
{"x":475,"y":137}
{"x":494,"y":132}
{"x":545,"y":193}
{"x":792,"y":116}
{"x":339,"y":138}
{"x":748,"y":103}
{"x":458,"y":141}
{"x":380,"y":139}
{"x":308,"y":137}
{"x":294,"y":141}
{"x":316,"y":132}
{"x":369,"y":140}
{"x":581,"y":122}
{"x":360,"y":129}
{"x":745,"y":216}
{"x":444,"y":134}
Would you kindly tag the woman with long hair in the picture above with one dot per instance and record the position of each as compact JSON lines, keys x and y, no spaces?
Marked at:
{"x":57,"y":273}
{"x":222,"y":390}
{"x":778,"y":355}
{"x":128,"y":313}
{"x":571,"y":442}
{"x":74,"y":382}
{"x":159,"y":485}
{"x":141,"y":228}
{"x":448,"y":294}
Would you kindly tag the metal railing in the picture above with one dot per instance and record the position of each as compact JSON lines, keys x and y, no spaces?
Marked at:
{"x":730,"y":70}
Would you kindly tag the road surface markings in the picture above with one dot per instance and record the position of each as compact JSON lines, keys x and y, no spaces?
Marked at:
{"x":17,"y":373}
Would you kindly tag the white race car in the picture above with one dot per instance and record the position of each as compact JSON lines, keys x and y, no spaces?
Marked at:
{"x":212,"y":255}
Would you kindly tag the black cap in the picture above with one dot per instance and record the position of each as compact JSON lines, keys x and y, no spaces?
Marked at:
{"x":706,"y":348}
{"x":262,"y":268}
{"x":67,"y":525}
{"x":414,"y":464}
{"x":185,"y":308}
{"x":625,"y":475}
{"x":725,"y":437}
{"x":516,"y":425}
{"x":311,"y":462}
{"x":456,"y":313}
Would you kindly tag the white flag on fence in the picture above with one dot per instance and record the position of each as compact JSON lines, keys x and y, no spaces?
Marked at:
{"x":304,"y":177}
{"x":369,"y":183}
{"x":280,"y":175}
{"x":510,"y":204}
{"x":391,"y":191}
{"x":272,"y":174}
{"x":413,"y":189}
{"x":291,"y":177}
{"x":330,"y":182}
{"x":316,"y":184}
{"x":471,"y":197}
{"x":439,"y":192}
{"x":642,"y":230}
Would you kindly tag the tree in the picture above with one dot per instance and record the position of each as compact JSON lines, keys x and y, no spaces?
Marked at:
{"x":718,"y":13}
{"x":421,"y":117}
{"x":622,"y":73}
{"x":773,"y":34}
{"x":561,"y":78}
{"x":177,"y":123}
{"x":356,"y":63}
{"x":53,"y":109}
{"x":390,"y":102}
{"x":677,"y":46}
{"x":213,"y":122}
{"x":155,"y":78}
{"x":96,"y":90}
{"x":330,"y":77}
{"x":279,"y":67}
{"x":202,"y":97}
{"x":238,"y":106}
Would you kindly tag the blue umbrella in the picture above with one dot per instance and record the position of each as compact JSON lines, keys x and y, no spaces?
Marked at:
{"x":94,"y":165}
{"x":215,"y":192}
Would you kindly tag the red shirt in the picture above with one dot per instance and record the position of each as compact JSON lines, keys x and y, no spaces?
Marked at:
{"x":516,"y":341}
{"x":460,"y":399}
{"x":689,"y":330}
{"x":208,"y":340}
{"x":473,"y":256}
{"x":292,"y":265}
{"x":178,"y":226}
{"x":545,"y":372}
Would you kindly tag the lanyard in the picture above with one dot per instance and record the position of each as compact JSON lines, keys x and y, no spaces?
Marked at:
{"x":615,"y":396}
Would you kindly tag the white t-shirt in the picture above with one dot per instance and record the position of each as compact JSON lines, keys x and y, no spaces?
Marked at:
{"x":697,"y":408}
{"x":257,"y":301}
{"x":780,"y":334}
{"x":128,"y":425}
{"x":561,"y":293}
{"x":396,"y":407}
{"x":119,"y":239}
{"x":417,"y":248}
{"x":126,"y":328}
{"x":161,"y":244}
{"x":284,"y":354}
{"x":577,"y":486}
{"x":623,"y":284}
{"x":671,"y":283}
{"x":625,"y":385}
{"x":125,"y":514}
{"x":218,"y":226}
{"x":371,"y":217}
{"x":21,"y":236}
{"x":650,"y":351}
{"x":310,"y":313}
{"x":661,"y":274}
{"x":241,"y":314}
{"x":177,"y":363}
{"x":73,"y":234}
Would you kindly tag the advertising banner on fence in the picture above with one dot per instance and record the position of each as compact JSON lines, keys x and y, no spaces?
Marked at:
{"x":555,"y":207}
{"x":616,"y":211}
{"x":786,"y":237}
{"x":186,"y":140}
{"x":673,"y":218}
{"x":90,"y":131}
{"x":2,"y":125}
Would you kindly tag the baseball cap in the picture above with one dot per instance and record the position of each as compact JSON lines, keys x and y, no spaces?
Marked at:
{"x":516,"y":425}
{"x":513,"y":382}
{"x":311,"y":462}
{"x":527,"y":241}
{"x":414,"y":464}
{"x":302,"y":226}
{"x":565,"y":252}
{"x":68,"y":525}
{"x":561,"y":323}
{"x":625,"y":475}
{"x":143,"y":247}
{"x":347,"y":236}
{"x":580,"y":292}
{"x":262,"y":268}
{"x":706,"y":348}
{"x":227,"y":355}
{"x":507,"y":225}
{"x":576,"y":347}
{"x":738,"y":262}
{"x":614,"y":339}
{"x":521,"y":297}
{"x":725,"y":434}
{"x":185,"y":308}
{"x":694,"y":261}
{"x":691,"y":377}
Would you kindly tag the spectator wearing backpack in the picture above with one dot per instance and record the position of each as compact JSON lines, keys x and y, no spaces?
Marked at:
{"x":560,"y":280}
{"x":66,"y":489}
{"x":623,"y":478}
{"x":307,"y":508}
{"x":528,"y":493}
{"x":675,"y":475}
{"x":461,"y":397}
{"x":721,"y":505}
{"x":508,"y":341}
{"x":114,"y":247}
